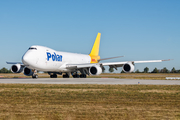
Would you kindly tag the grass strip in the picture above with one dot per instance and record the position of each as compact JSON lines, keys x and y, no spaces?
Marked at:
{"x":151,"y":76}
{"x":90,"y":102}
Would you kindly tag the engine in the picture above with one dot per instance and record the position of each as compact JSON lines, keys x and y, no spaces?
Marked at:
{"x":128,"y":67}
{"x":95,"y":70}
{"x":28,"y":72}
{"x":17,"y":68}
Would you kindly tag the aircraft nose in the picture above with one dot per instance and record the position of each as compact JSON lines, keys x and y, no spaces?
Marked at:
{"x":30,"y":58}
{"x":26,"y":59}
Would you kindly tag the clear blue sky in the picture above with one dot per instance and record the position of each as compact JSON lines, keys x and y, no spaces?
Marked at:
{"x":137,"y":29}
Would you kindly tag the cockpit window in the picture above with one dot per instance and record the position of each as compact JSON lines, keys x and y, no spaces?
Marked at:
{"x":32,"y":48}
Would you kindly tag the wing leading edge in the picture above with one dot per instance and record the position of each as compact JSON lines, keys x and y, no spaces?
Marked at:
{"x":15,"y":63}
{"x":117,"y":64}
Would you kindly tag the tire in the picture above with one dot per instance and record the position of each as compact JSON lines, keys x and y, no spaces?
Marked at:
{"x":83,"y":76}
{"x":75,"y":76}
{"x":35,"y":76}
{"x":66,"y":76}
{"x":54,"y":76}
{"x":51,"y":76}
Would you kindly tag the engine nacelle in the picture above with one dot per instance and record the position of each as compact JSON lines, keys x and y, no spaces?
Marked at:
{"x":95,"y":70}
{"x":28,"y":72}
{"x":128,"y":67}
{"x":17,"y":68}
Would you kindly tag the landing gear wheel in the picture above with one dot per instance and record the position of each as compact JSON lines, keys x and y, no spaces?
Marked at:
{"x":34,"y":76}
{"x":66,"y":76}
{"x":75,"y":76}
{"x":53,"y":76}
{"x":83,"y":76}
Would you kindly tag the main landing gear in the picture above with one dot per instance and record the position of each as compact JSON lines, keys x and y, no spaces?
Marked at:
{"x":66,"y":75}
{"x":53,"y":76}
{"x":75,"y":76}
{"x":81,"y":76}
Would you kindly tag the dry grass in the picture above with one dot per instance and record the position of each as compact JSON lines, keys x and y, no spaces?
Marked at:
{"x":152,"y":76}
{"x":89,"y":102}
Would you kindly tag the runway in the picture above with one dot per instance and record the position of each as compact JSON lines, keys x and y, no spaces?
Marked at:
{"x":111,"y":81}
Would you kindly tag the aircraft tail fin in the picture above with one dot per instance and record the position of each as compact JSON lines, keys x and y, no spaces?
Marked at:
{"x":95,"y":50}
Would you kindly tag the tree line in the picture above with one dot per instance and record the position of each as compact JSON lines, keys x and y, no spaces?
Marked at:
{"x":146,"y":70}
{"x":155,"y":70}
{"x":5,"y":70}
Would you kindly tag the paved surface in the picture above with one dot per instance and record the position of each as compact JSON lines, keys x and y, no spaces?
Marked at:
{"x":89,"y":81}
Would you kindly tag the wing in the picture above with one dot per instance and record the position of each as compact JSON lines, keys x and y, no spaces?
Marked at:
{"x":109,"y":58}
{"x":112,"y":64}
{"x":120,"y":64}
{"x":78,"y":66}
{"x":15,"y":63}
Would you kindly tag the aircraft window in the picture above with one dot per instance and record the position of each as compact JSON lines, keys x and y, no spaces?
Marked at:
{"x":31,"y":48}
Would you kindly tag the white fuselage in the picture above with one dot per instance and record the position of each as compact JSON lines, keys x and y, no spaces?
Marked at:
{"x":46,"y":59}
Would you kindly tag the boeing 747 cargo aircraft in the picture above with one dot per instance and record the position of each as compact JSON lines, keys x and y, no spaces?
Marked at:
{"x":64,"y":63}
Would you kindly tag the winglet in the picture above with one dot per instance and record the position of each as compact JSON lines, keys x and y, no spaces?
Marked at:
{"x":167,"y":60}
{"x":95,"y":50}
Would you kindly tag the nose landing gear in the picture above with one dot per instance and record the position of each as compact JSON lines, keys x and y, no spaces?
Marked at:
{"x":34,"y":76}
